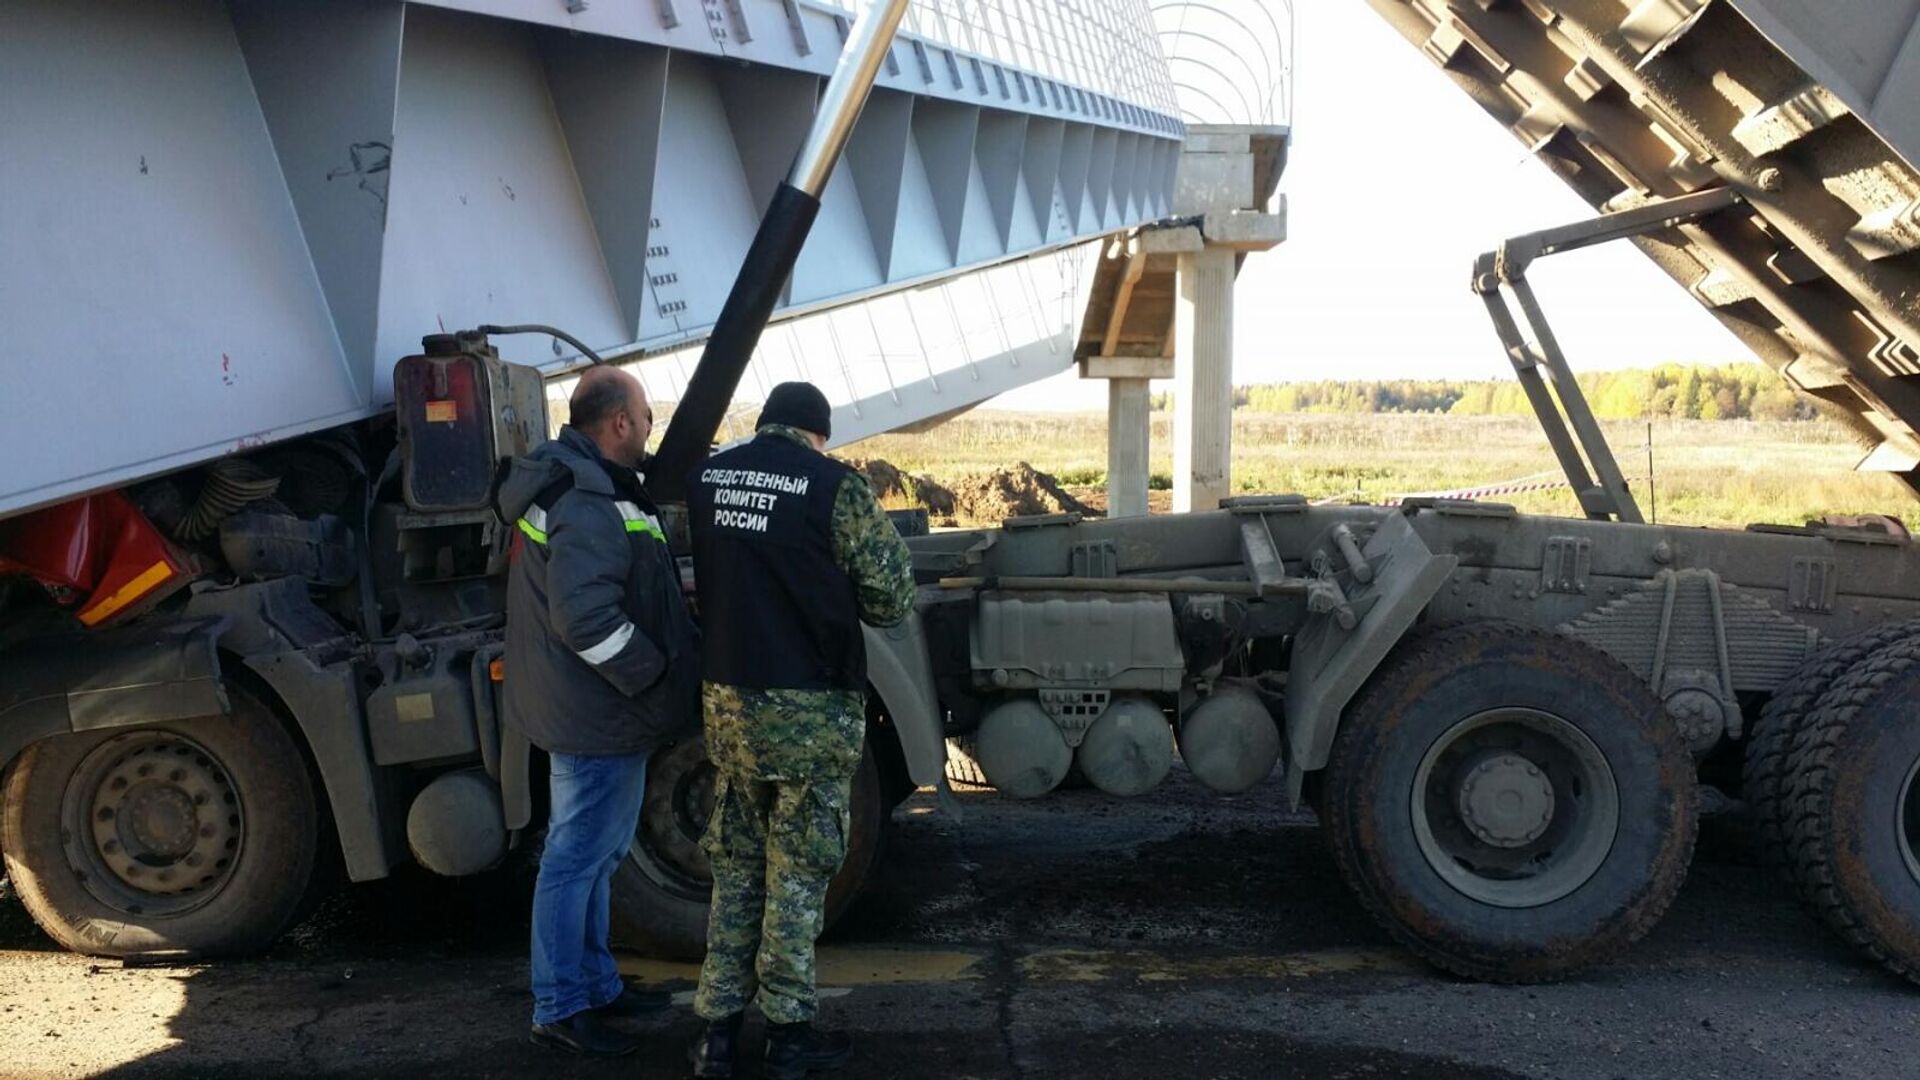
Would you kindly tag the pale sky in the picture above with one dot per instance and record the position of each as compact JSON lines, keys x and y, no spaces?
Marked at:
{"x":1395,"y":182}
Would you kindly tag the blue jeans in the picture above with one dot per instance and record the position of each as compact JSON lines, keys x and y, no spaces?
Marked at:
{"x":596,"y":809}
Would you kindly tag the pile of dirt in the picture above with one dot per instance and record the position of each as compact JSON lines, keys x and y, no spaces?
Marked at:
{"x":975,"y":499}
{"x":1094,"y":498}
{"x":899,"y":490}
{"x":990,"y":498}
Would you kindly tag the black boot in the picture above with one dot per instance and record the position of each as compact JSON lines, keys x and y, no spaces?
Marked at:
{"x":713,"y":1052}
{"x":585,"y":1033}
{"x":794,"y":1050}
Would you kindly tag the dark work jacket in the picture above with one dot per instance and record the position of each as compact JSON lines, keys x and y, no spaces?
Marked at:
{"x":602,"y":657}
{"x":778,"y":611}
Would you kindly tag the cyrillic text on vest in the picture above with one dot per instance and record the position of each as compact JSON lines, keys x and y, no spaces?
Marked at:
{"x":753,"y":478}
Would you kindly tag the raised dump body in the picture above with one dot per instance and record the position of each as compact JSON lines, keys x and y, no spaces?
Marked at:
{"x":1810,"y":111}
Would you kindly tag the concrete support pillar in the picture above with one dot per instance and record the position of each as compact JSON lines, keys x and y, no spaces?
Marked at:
{"x":1203,"y":380}
{"x":1129,"y":428}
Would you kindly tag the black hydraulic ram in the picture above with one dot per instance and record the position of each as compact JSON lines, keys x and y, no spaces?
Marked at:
{"x":776,"y":246}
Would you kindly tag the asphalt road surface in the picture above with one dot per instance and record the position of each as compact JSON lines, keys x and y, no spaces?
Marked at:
{"x":1181,"y":935}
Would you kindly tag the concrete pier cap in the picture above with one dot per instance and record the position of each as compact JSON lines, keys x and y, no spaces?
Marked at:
{"x":1162,"y":308}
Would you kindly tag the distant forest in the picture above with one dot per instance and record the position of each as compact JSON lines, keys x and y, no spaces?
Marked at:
{"x":1670,"y":391}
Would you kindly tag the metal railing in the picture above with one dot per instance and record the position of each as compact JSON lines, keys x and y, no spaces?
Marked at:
{"x":1105,"y":46}
{"x":1231,"y":61}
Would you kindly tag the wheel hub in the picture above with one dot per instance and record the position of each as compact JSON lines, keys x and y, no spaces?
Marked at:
{"x":1505,"y":800}
{"x":164,"y":821}
{"x":1514,"y":807}
{"x":158,"y":821}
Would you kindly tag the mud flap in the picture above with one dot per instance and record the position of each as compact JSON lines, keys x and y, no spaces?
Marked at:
{"x":902,"y":675}
{"x":1330,"y":663}
{"x":148,"y":673}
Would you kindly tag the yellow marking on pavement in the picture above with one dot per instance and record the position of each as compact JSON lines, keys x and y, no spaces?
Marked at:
{"x":850,"y":966}
{"x":839,"y":966}
{"x":1099,"y":965}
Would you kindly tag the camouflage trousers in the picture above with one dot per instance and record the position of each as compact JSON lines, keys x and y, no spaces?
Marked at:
{"x":774,"y":846}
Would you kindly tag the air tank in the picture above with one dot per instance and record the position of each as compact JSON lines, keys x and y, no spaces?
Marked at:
{"x":1021,"y":749}
{"x":1129,"y":748}
{"x":1229,"y":741}
{"x":456,"y":825}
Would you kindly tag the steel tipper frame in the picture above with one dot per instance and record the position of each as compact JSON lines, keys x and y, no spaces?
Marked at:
{"x":1807,"y":113}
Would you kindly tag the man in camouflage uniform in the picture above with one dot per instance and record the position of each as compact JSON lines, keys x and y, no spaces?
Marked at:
{"x":791,"y":553}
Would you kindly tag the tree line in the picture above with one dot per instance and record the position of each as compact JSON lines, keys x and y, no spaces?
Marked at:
{"x":1669,"y":391}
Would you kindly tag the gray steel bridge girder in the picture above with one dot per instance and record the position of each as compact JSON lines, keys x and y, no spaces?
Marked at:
{"x":654,"y":165}
{"x":441,"y":165}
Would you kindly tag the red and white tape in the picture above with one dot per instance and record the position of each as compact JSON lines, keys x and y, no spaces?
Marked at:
{"x":1511,"y":488}
{"x":1508,"y":487}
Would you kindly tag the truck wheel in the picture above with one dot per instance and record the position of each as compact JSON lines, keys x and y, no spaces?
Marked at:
{"x":660,"y":892}
{"x":1852,"y":804}
{"x":197,"y":837}
{"x":1511,"y":805}
{"x":1763,"y":779}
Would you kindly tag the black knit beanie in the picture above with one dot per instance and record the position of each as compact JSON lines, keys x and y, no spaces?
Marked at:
{"x":798,"y":404}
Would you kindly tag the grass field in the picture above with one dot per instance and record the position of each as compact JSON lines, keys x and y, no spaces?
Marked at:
{"x":1727,"y":472}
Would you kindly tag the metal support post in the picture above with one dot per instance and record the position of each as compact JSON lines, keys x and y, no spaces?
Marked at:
{"x":1573,"y":402}
{"x":1203,"y":380}
{"x":1129,"y":433}
{"x":1571,"y":428}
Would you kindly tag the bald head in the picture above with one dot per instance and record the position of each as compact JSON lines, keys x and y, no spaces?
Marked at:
{"x":610,"y":407}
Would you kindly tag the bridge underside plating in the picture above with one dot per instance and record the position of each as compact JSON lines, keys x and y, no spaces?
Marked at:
{"x":276,"y":199}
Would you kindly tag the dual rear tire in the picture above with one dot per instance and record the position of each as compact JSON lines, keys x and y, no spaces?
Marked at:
{"x":1845,"y":807}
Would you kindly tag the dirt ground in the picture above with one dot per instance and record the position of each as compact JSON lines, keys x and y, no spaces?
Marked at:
{"x":1179,"y":935}
{"x":980,"y":498}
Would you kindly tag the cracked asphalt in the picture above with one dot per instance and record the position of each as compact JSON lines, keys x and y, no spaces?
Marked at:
{"x":1178,"y":935}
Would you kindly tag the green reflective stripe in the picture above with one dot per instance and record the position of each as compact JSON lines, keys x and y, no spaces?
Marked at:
{"x":638,"y":520}
{"x":533,"y":534}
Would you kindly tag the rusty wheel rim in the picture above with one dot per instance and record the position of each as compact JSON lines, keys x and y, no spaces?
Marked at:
{"x":152,"y":823}
{"x":1515,"y":807}
{"x":1908,"y":821}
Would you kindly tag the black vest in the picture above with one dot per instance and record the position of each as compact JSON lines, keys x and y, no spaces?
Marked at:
{"x":776,"y":611}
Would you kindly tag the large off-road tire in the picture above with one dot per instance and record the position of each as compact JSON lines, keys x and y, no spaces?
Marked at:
{"x":661,"y":891}
{"x":1763,"y":779}
{"x":194,"y":838}
{"x":1511,"y":805}
{"x":1853,"y":807}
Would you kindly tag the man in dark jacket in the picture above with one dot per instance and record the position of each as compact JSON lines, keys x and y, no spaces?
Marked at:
{"x":602,"y":666}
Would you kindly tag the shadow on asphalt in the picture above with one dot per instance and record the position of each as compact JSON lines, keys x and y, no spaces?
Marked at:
{"x":1082,"y":872}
